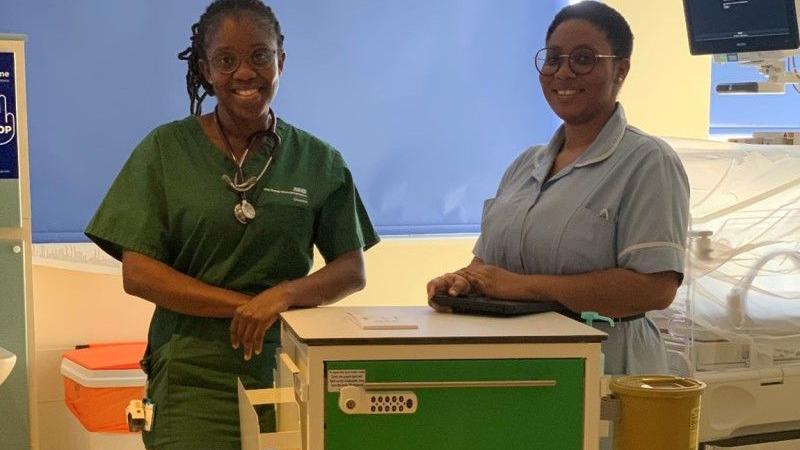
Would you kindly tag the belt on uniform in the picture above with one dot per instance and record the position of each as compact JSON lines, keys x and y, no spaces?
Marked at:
{"x":576,"y":316}
{"x":629,"y":318}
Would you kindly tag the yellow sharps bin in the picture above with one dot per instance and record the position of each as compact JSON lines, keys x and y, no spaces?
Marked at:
{"x":657,"y":412}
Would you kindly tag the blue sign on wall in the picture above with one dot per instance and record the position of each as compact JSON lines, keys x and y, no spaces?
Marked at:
{"x":8,"y":123}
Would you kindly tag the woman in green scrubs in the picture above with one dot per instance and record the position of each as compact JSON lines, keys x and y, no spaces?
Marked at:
{"x":214,"y":218}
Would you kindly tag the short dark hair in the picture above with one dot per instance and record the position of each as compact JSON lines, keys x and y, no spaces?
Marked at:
{"x":204,"y":28}
{"x":605,"y":18}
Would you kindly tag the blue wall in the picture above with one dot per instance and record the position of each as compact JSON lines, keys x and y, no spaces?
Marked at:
{"x":428,"y":101}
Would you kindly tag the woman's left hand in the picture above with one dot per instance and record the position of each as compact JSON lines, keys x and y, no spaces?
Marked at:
{"x":492,"y":281}
{"x":252,"y":320}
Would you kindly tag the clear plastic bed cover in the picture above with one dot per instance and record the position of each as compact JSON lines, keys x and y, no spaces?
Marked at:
{"x":743,"y":257}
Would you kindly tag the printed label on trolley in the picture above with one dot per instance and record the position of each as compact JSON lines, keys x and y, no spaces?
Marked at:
{"x":340,"y":378}
{"x":9,"y":165}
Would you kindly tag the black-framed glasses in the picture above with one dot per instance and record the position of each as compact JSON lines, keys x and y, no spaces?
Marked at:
{"x":227,"y":61}
{"x":581,"y":60}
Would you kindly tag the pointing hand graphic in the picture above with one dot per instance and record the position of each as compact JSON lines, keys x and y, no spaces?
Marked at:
{"x":7,"y":125}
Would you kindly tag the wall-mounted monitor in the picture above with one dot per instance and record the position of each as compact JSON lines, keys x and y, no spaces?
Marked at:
{"x":735,"y":26}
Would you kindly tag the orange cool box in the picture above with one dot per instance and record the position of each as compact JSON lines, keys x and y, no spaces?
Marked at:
{"x":100,"y":380}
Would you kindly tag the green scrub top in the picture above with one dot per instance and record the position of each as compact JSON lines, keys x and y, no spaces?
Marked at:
{"x":171,"y":203}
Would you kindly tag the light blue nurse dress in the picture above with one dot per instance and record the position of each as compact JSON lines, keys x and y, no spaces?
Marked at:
{"x":624,"y":203}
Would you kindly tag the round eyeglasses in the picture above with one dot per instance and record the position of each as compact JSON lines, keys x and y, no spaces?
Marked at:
{"x":227,"y":62}
{"x":581,"y":60}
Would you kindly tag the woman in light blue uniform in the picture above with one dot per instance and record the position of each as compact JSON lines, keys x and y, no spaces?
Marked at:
{"x":597,"y":218}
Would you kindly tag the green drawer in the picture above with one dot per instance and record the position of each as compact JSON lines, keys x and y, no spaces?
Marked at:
{"x":457,"y":409}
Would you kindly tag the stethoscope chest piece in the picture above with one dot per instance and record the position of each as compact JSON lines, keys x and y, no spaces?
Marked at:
{"x":244,"y":211}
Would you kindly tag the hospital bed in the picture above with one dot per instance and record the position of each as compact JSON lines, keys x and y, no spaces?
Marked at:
{"x":735,"y":323}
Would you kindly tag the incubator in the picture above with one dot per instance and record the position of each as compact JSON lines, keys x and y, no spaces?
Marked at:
{"x":735,"y":323}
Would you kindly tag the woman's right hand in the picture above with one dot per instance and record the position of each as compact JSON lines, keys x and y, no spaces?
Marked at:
{"x":453,"y":284}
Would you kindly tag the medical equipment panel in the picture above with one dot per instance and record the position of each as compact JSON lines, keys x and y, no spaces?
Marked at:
{"x":730,"y":26}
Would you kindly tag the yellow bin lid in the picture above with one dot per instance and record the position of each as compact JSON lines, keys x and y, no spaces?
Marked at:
{"x":662,"y":386}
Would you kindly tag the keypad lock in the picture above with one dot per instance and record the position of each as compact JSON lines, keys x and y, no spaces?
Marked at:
{"x":357,"y":400}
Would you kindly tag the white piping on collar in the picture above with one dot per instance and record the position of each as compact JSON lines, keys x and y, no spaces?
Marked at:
{"x":608,"y":152}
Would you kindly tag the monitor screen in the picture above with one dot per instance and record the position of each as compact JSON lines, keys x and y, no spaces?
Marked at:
{"x":734,"y":26}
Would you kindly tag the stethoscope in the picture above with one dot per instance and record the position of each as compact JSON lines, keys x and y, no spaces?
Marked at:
{"x":244,"y":211}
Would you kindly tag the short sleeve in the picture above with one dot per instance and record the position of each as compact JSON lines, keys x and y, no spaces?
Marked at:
{"x":343,"y":224}
{"x":654,"y":215}
{"x":133,"y":214}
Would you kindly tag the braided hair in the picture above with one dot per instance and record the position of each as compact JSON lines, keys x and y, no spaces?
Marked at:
{"x":200,"y":34}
